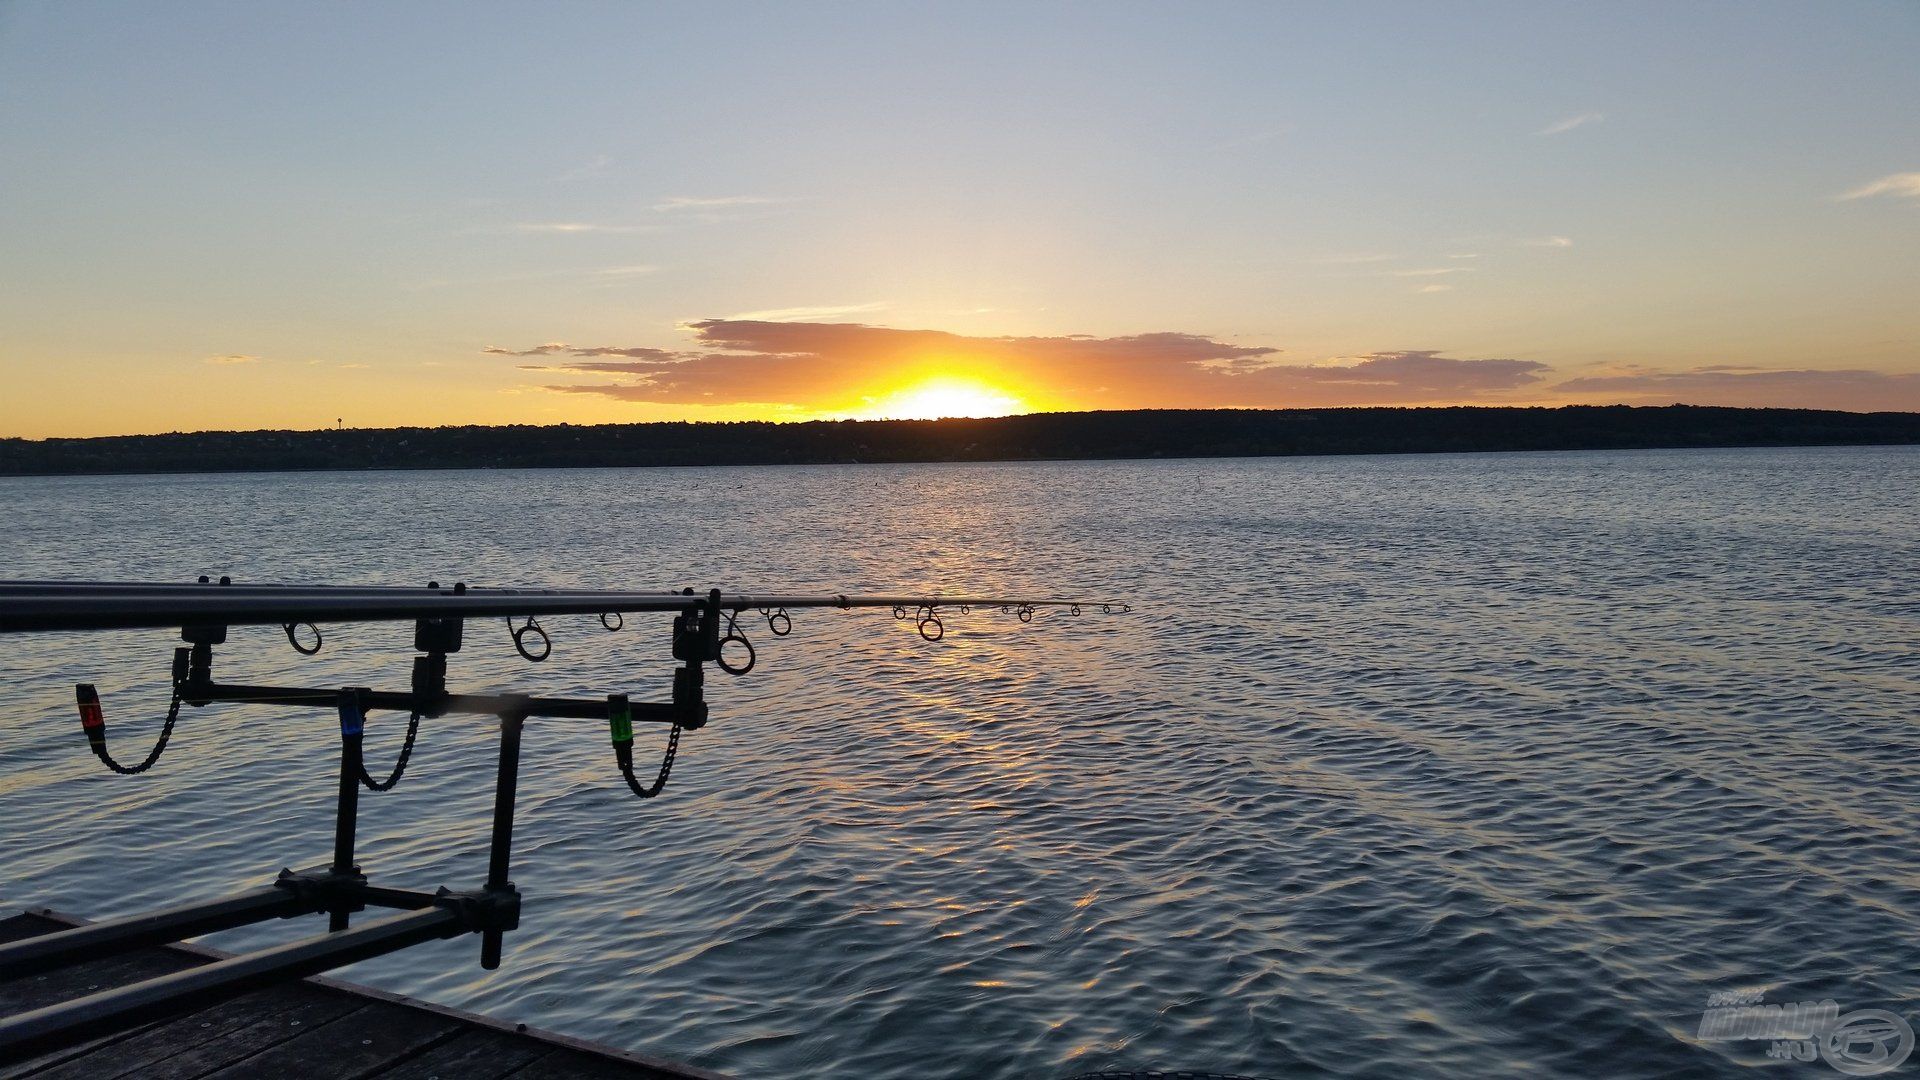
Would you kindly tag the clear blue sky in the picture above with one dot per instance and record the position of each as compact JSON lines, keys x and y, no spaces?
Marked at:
{"x":249,"y":215}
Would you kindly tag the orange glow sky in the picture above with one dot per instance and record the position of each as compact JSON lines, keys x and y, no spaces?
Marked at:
{"x":284,"y":216}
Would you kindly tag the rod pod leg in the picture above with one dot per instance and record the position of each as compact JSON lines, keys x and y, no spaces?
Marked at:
{"x":346,"y":820}
{"x":500,"y":854}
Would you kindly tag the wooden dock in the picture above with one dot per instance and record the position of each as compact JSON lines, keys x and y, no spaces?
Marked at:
{"x":311,"y":1029}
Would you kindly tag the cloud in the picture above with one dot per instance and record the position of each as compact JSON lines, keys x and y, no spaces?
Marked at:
{"x":233,"y":358}
{"x":832,"y":368}
{"x":538,"y":350}
{"x":1434,"y":288}
{"x":1434,"y":272}
{"x":1547,"y":242}
{"x":1852,"y":389}
{"x":804,"y":314}
{"x":829,"y":366}
{"x":591,"y":276}
{"x":595,"y":168}
{"x":561,"y":348}
{"x":1561,"y":127}
{"x":1904,"y":185}
{"x":575,"y":227}
{"x":1414,"y":375}
{"x":717,"y":202}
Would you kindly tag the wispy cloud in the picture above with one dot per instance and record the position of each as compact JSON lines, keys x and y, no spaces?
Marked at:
{"x":1345,"y":259}
{"x":233,"y":358}
{"x":561,"y":348}
{"x":568,"y":227}
{"x":1434,"y":288}
{"x":1548,"y":242}
{"x":597,"y":167}
{"x":1561,"y":127}
{"x":1904,"y":185}
{"x":587,"y":276}
{"x":804,"y":314}
{"x":548,"y":349}
{"x":1435,"y":271}
{"x":717,"y":202}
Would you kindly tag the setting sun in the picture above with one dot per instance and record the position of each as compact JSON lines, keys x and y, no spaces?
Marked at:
{"x":938,"y":398}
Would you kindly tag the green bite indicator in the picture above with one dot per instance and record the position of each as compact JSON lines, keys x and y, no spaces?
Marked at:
{"x":619,"y":719}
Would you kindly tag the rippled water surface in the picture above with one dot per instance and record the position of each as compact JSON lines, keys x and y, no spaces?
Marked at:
{"x":1478,"y":765}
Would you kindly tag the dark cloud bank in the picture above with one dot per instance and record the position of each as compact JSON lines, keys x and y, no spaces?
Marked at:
{"x":813,"y":365}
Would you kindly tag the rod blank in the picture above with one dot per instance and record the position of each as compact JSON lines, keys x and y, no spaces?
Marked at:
{"x":40,"y":606}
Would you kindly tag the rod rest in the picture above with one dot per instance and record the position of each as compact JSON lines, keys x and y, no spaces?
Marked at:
{"x":339,"y":889}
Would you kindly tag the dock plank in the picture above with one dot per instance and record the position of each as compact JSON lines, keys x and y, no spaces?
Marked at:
{"x":196,"y":1057}
{"x":207,"y":1039}
{"x":353,"y":1045}
{"x":28,"y":992}
{"x":32,"y":1065}
{"x":469,"y":1055}
{"x":312,"y":1029}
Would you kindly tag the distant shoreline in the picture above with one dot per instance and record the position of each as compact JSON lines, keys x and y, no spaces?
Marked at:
{"x":1085,"y":436}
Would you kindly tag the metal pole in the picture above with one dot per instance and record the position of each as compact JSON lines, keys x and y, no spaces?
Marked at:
{"x":304,"y":697}
{"x":346,"y":819}
{"x":54,"y":1026}
{"x":505,"y":786}
{"x":37,"y":955}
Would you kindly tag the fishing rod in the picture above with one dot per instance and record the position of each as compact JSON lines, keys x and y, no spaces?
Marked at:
{"x":32,"y":606}
{"x":705,"y":626}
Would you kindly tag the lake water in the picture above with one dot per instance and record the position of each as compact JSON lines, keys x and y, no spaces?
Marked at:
{"x":1464,"y":765}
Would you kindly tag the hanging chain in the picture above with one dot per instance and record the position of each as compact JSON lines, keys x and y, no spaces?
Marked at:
{"x":166,"y":733}
{"x":666,"y":767}
{"x":400,"y":767}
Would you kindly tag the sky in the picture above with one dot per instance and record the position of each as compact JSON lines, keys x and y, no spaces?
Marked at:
{"x":257,"y":215}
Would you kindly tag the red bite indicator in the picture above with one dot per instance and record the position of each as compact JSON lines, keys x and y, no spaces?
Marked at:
{"x":91,"y":717}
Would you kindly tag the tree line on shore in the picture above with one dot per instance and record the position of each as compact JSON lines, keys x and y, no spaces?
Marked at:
{"x":1153,"y":433}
